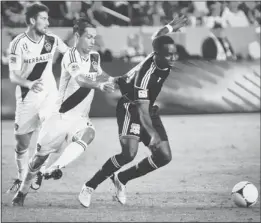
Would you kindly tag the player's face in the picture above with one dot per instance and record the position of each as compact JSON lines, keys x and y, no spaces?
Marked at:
{"x":168,"y":55}
{"x":87,"y":39}
{"x":41,"y":23}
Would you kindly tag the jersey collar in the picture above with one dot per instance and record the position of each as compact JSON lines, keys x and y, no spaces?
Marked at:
{"x":33,"y":40}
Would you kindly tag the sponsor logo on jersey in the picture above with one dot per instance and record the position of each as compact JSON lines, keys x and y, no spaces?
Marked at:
{"x":135,"y":128}
{"x":91,"y":76}
{"x":142,"y":93}
{"x":39,"y":59}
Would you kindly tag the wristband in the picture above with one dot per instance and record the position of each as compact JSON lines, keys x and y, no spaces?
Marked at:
{"x":169,"y":27}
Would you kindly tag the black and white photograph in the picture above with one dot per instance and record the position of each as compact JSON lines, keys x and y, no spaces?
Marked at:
{"x":130,"y":111}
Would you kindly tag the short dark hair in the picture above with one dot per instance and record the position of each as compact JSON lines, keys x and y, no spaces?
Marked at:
{"x":217,"y":25}
{"x":158,"y":42}
{"x":81,"y":24}
{"x":33,"y":10}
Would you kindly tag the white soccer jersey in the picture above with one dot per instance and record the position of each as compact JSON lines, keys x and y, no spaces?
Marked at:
{"x":33,"y":60}
{"x":74,"y":99}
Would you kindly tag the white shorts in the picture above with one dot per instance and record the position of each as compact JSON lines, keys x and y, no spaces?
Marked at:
{"x":60,"y":128}
{"x":30,"y":114}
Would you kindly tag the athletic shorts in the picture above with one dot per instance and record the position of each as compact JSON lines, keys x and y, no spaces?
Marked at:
{"x":129,"y":124}
{"x":60,"y":128}
{"x":30,"y":113}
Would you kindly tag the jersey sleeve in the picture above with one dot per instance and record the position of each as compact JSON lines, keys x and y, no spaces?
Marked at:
{"x":15,"y":55}
{"x":72,"y":63}
{"x":143,"y":81}
{"x":61,"y":46}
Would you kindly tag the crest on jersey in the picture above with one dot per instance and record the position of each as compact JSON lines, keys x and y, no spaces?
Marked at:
{"x":95,"y":65}
{"x":47,"y":46}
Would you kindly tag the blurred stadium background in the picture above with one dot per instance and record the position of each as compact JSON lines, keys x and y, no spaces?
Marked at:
{"x":219,"y":52}
{"x":218,"y":71}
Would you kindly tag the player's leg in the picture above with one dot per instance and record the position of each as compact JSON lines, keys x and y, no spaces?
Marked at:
{"x":34,"y":166}
{"x":26,"y":122}
{"x":159,"y":158}
{"x":46,"y":110}
{"x":21,"y":159}
{"x":129,"y":140}
{"x":50,"y":139}
{"x":80,"y":136}
{"x":129,"y":151}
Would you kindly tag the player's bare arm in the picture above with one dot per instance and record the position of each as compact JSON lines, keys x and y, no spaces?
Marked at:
{"x":173,"y":26}
{"x":106,"y":77}
{"x":86,"y":82}
{"x":143,"y":109}
{"x":36,"y":86}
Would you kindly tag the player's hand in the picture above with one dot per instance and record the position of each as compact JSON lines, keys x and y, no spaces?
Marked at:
{"x":179,"y":22}
{"x":115,"y":82}
{"x":36,"y":86}
{"x":108,"y":87}
{"x":155,"y":141}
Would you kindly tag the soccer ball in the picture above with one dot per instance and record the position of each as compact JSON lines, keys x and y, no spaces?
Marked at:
{"x":244,"y":194}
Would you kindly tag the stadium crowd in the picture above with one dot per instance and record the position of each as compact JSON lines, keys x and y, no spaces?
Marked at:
{"x":138,"y":13}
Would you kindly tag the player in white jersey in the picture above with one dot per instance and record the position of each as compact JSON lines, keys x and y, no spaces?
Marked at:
{"x":30,"y":65}
{"x":81,"y":75}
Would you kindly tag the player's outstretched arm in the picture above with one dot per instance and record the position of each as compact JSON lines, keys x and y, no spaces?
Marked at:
{"x":86,"y":82}
{"x":173,"y":26}
{"x":143,"y":109}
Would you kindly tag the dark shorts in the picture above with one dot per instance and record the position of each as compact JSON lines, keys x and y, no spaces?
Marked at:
{"x":129,"y":124}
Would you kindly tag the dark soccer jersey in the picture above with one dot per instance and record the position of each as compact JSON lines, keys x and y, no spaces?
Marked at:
{"x":145,"y":82}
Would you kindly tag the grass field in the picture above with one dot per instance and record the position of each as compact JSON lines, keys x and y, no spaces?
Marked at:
{"x":210,"y":155}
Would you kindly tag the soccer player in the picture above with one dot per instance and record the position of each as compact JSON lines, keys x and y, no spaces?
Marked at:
{"x":30,"y":65}
{"x":138,"y":120}
{"x":81,"y":75}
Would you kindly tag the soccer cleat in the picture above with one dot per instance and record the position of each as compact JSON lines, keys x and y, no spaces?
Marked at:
{"x":85,"y":196}
{"x":55,"y":174}
{"x":15,"y":187}
{"x":120,"y":193}
{"x":18,"y":199}
{"x":36,"y":184}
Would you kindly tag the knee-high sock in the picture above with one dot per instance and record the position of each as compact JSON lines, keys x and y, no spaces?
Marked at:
{"x":27,"y":181}
{"x":43,"y":168}
{"x":112,"y":165}
{"x":21,"y":159}
{"x":70,"y":153}
{"x":142,"y":168}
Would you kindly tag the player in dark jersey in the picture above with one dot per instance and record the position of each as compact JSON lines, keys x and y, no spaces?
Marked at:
{"x":138,"y":118}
